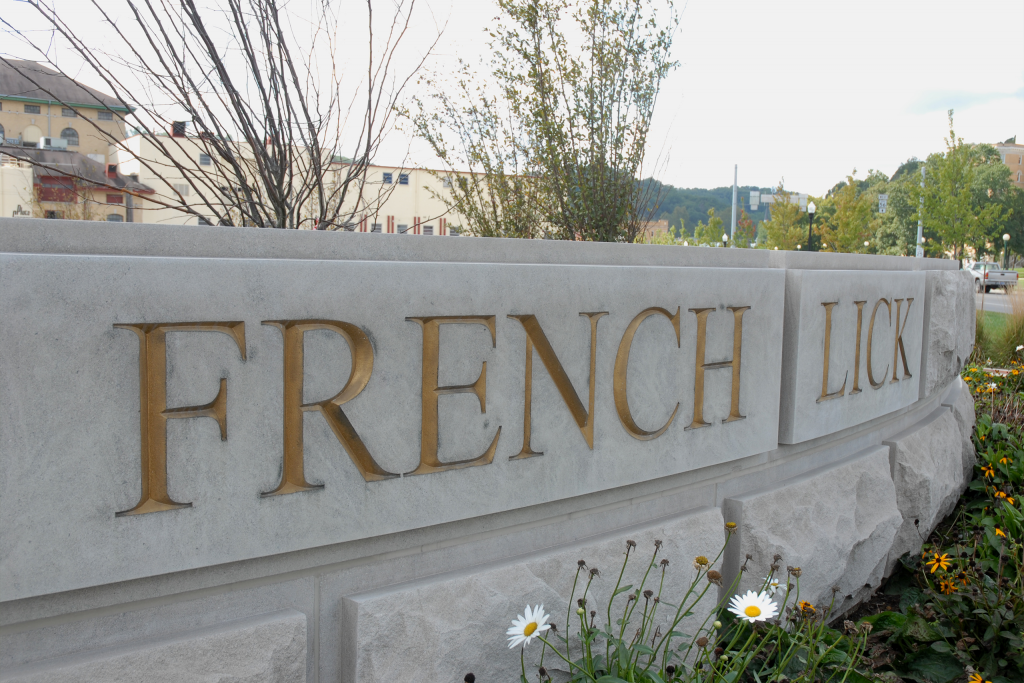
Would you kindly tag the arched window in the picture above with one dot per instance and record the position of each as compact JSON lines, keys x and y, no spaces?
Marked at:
{"x":71,"y":135}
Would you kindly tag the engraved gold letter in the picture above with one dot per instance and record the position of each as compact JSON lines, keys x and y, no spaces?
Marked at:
{"x":825,"y":396}
{"x":698,"y":380}
{"x":621,"y":368}
{"x":293,"y":477}
{"x":898,"y":344}
{"x":431,"y":392}
{"x":584,"y":418}
{"x":871,"y":338}
{"x":856,"y":362}
{"x":155,"y":413}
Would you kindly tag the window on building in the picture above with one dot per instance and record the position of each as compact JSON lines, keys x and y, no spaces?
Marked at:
{"x":428,"y":229}
{"x":31,"y":108}
{"x":203,"y":221}
{"x":386,"y":178}
{"x":446,"y":182}
{"x":1018,"y":176}
{"x":376,"y":227}
{"x":71,"y":135}
{"x":105,"y":116}
{"x":53,"y":214}
{"x":205,"y":160}
{"x":115,"y":199}
{"x":57,"y":189}
{"x":115,"y":218}
{"x":68,"y":113}
{"x":2,"y":139}
{"x":403,"y":229}
{"x":403,"y":178}
{"x":181,"y":188}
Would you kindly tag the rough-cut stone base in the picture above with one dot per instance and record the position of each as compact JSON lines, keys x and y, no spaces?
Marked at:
{"x":269,"y":649}
{"x":836,"y":523}
{"x":949,"y":328}
{"x":928,"y":471}
{"x":443,"y":628}
{"x":961,"y":402}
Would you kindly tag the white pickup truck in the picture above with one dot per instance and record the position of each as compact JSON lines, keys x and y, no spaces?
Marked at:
{"x":988,"y":275}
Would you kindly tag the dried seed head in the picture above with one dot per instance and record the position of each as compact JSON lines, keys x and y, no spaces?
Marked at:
{"x":795,"y":571}
{"x":774,"y":567}
{"x":542,"y":671}
{"x":580,"y":602}
{"x":664,"y":562}
{"x":631,"y":598}
{"x":648,"y":593}
{"x":719,"y":651}
{"x":630,"y":544}
{"x":702,"y":642}
{"x":865,"y":627}
{"x":657,"y":599}
{"x":776,"y":557}
{"x":715,"y":577}
{"x":836,"y":589}
{"x":849,"y":626}
{"x":582,"y":564}
{"x":749,"y":556}
{"x":657,"y":544}
{"x":670,"y":670}
{"x":470,"y":678}
{"x":594,"y":572}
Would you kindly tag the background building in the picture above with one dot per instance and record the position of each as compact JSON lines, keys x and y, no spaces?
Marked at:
{"x":1012,"y":155}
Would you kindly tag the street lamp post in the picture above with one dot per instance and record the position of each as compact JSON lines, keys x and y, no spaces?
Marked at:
{"x":1006,"y":244}
{"x":810,"y":226}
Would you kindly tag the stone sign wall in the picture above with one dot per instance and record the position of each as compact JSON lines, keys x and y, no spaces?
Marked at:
{"x":205,"y":429}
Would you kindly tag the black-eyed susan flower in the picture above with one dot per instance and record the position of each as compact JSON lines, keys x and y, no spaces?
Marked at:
{"x":947,"y":586}
{"x":528,"y":626}
{"x":977,"y":678}
{"x":999,"y":532}
{"x":988,"y":471}
{"x":753,"y":607}
{"x":806,"y":607}
{"x":1005,"y":460}
{"x":939,"y":562}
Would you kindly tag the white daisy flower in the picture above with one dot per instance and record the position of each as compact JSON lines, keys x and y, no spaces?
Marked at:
{"x":1020,"y":347}
{"x":753,"y":607}
{"x":527,"y":626}
{"x":771,"y":585}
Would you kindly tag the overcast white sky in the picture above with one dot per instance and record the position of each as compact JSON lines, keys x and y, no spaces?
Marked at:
{"x":805,"y":90}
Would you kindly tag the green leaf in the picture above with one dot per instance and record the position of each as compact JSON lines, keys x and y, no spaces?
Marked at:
{"x":911,"y":596}
{"x":941,"y":646}
{"x":611,"y":679}
{"x":920,"y":630}
{"x":623,"y":590}
{"x":933,"y":667}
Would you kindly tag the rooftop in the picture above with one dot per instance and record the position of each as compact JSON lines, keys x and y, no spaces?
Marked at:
{"x":32,"y":82}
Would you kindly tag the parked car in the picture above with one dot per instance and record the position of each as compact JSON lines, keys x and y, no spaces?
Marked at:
{"x":989,"y":275}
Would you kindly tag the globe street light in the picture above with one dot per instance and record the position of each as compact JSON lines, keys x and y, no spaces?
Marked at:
{"x":810,"y":226}
{"x":1006,"y":243}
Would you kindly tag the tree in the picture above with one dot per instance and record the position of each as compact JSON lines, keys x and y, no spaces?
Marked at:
{"x":260,"y":86}
{"x":745,"y":233}
{"x":950,"y":206}
{"x":849,"y":225}
{"x":787,"y":227}
{"x":710,"y":234}
{"x":567,"y":104}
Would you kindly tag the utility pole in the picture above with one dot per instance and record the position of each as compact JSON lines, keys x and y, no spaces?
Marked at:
{"x":920,"y":219}
{"x":732,"y":230}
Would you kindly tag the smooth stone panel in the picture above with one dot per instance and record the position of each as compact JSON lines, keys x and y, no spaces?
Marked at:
{"x":69,"y":390}
{"x":961,"y":402}
{"x":836,"y":524}
{"x":928,"y":470}
{"x":949,"y":327}
{"x":270,"y":649}
{"x":854,"y":393}
{"x":442,"y":628}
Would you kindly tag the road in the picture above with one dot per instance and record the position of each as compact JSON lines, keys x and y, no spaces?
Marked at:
{"x":996,"y":301}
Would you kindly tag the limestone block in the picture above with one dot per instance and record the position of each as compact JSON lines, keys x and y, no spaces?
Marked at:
{"x":836,"y":524}
{"x":873,"y":349}
{"x":961,"y":402}
{"x":949,"y":328}
{"x":66,"y":474}
{"x":270,"y":648}
{"x":442,"y":628}
{"x":928,"y":471}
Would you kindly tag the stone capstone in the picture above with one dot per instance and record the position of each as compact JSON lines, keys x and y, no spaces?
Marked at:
{"x":949,"y":328}
{"x":442,"y":628}
{"x":836,"y":523}
{"x":266,"y":649}
{"x":928,"y":471}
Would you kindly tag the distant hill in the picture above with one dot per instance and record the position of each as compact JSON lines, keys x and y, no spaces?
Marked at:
{"x":690,"y":205}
